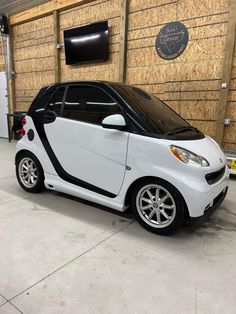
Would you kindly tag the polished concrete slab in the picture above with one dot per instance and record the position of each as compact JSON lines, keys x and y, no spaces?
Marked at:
{"x":2,"y":300}
{"x":8,"y":308}
{"x":63,"y":255}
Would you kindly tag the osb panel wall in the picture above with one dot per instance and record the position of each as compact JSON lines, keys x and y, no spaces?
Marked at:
{"x":96,"y":11}
{"x":2,"y":67}
{"x":190,"y":83}
{"x":229,"y":139}
{"x":33,"y":59}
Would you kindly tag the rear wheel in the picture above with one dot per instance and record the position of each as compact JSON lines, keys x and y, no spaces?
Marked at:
{"x":158,"y":206}
{"x":29,"y":173}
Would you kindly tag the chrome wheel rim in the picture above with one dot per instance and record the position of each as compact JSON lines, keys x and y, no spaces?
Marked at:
{"x":156,"y":206}
{"x":28,"y":172}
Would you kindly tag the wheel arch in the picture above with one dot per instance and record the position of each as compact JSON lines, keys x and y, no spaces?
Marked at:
{"x":21,"y":152}
{"x":26,"y":151}
{"x":38,"y":185}
{"x":142,"y":179}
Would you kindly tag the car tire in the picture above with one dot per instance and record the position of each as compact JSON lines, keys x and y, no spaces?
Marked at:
{"x":158,"y":206}
{"x":29,"y":173}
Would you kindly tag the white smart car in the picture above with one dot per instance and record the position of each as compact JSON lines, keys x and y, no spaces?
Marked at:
{"x":118,"y":146}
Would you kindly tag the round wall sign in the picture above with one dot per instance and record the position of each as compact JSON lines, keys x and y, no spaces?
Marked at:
{"x":172,"y":40}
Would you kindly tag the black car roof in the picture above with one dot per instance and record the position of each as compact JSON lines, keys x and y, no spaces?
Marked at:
{"x":93,"y":82}
{"x":43,"y":93}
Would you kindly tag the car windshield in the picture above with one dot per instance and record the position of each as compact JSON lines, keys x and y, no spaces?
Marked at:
{"x":159,"y":118}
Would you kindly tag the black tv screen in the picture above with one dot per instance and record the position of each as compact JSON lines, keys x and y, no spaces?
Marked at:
{"x":87,"y":43}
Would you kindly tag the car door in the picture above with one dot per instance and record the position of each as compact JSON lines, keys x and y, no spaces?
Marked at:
{"x":82,"y":151}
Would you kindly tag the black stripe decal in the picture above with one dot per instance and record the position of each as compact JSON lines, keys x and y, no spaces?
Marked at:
{"x":59,"y":169}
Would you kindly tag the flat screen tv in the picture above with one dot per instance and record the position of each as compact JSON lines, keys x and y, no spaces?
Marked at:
{"x":87,"y":43}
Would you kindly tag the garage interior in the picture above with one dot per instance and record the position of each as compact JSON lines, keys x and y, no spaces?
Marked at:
{"x":59,"y":254}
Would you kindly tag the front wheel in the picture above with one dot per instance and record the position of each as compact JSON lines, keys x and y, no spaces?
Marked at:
{"x":29,"y":173}
{"x":158,"y":206}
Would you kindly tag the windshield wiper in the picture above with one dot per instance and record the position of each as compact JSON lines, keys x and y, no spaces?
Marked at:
{"x":182,"y":129}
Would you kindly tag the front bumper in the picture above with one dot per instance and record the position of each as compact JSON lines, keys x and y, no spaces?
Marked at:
{"x":208,"y":212}
{"x":199,"y":195}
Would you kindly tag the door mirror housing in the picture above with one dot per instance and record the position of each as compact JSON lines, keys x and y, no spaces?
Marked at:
{"x":49,"y":116}
{"x":115,"y":122}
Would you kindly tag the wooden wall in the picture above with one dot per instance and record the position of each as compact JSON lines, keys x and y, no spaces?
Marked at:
{"x":229,"y":139}
{"x":2,"y":67}
{"x":34,"y":49}
{"x":96,"y":11}
{"x":190,"y":84}
{"x":33,"y":59}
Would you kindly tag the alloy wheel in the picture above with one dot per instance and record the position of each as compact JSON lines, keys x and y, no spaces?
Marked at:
{"x":156,"y":206}
{"x":28,"y":172}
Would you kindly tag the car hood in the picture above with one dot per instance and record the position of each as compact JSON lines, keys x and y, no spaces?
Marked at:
{"x":206,"y":148}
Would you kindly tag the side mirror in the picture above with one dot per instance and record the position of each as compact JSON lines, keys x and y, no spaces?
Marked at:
{"x":49,"y":116}
{"x":115,"y":121}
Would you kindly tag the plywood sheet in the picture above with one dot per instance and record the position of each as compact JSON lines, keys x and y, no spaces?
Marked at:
{"x":146,"y":18}
{"x":90,"y":13}
{"x":207,"y":127}
{"x":137,"y":5}
{"x":230,"y":133}
{"x":144,"y":51}
{"x":231,"y":110}
{"x":187,"y":10}
{"x":33,"y":59}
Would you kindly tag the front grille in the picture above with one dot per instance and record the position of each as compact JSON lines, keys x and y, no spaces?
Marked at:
{"x":213,"y":177}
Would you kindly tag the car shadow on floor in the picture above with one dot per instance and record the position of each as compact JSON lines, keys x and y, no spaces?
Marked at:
{"x":209,"y":227}
{"x":127,"y":214}
{"x":223,"y":218}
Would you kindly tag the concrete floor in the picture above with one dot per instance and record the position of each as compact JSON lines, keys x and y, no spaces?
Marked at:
{"x":61,"y":255}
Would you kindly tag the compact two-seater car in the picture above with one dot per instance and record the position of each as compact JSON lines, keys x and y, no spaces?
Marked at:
{"x":119,"y":146}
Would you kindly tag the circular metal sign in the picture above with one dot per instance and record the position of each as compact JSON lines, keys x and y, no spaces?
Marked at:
{"x":172,"y":40}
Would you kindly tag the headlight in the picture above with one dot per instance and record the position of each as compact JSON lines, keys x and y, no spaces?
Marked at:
{"x":188,"y":157}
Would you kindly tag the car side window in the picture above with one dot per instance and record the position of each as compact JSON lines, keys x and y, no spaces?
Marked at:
{"x":55,"y":103}
{"x":88,"y":104}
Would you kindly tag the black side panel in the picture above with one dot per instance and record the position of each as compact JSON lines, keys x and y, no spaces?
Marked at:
{"x":41,"y":99}
{"x":57,"y":166}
